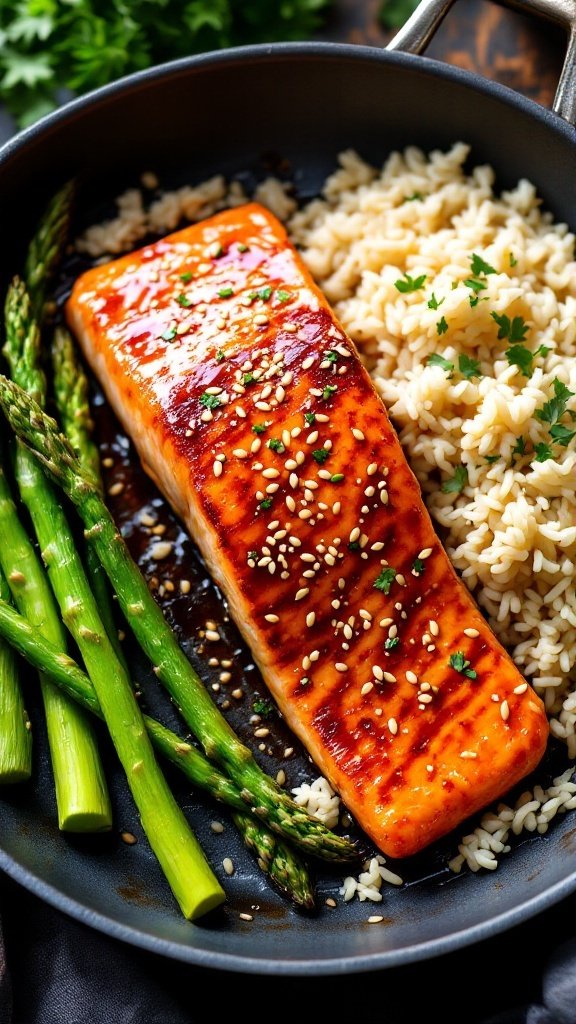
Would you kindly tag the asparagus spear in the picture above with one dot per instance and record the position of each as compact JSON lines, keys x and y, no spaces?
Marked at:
{"x":71,"y":395}
{"x":267,"y":800}
{"x":281,"y":863}
{"x":81,"y":792}
{"x":193,"y":883}
{"x":15,"y":733}
{"x":46,"y":247}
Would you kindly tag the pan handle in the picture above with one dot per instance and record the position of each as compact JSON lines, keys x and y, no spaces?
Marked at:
{"x":415,"y":35}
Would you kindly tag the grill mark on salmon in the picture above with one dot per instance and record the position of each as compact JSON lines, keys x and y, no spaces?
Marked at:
{"x":219,"y":329}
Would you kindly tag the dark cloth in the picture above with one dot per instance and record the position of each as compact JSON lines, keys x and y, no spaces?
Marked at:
{"x":55,"y":970}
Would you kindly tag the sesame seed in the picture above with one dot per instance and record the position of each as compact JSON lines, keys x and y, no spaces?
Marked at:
{"x":217,"y":468}
{"x":357,"y":434}
{"x":212,"y":635}
{"x":237,"y":694}
{"x":128,"y":838}
{"x":271,"y":617}
{"x":246,"y":917}
{"x":228,"y":865}
{"x":108,"y":463}
{"x":468,"y":755}
{"x":336,"y":508}
{"x":314,"y":655}
{"x":308,"y":362}
{"x":354,"y":534}
{"x":302,"y":593}
{"x":261,"y":733}
{"x":366,"y":688}
{"x":411,"y":677}
{"x":116,"y":489}
{"x":372,"y":468}
{"x":290,"y":503}
{"x":256,"y":445}
{"x":217,"y":826}
{"x":472,"y":632}
{"x":185,"y":586}
{"x":521,"y":688}
{"x":425,"y":698}
{"x":505,"y":710}
{"x":225,"y":677}
{"x":393,"y":631}
{"x":375,"y":919}
{"x":330,"y":902}
{"x":384,"y":497}
{"x":260,"y":319}
{"x":425,"y":553}
{"x":393,"y":726}
{"x":434,"y":627}
{"x":288,"y":751}
{"x":389,"y":677}
{"x":161,"y":550}
{"x":305,"y":513}
{"x":310,"y":619}
{"x":270,"y":473}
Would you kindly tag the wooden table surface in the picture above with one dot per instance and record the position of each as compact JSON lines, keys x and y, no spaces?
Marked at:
{"x":520,"y":51}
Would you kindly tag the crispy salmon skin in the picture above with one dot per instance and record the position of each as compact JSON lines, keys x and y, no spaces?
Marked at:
{"x":253,"y":413}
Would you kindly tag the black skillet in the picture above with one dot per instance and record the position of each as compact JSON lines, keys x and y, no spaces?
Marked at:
{"x":287,"y":109}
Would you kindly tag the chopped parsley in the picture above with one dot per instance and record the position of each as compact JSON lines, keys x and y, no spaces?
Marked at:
{"x":283,"y":296}
{"x":456,"y":483}
{"x":410,"y":284}
{"x":433,"y":302}
{"x":276,"y":445}
{"x":553,"y":410}
{"x":513,"y":330}
{"x":263,"y":707}
{"x":437,"y":360}
{"x":242,"y":247}
{"x":209,"y":401}
{"x":354,"y":545}
{"x":520,"y":447}
{"x":320,"y":455}
{"x":220,"y":355}
{"x":561,"y":434}
{"x":473,"y":300}
{"x":248,"y":379}
{"x":385,"y":580}
{"x":391,"y":642}
{"x":413,"y":197}
{"x":261,"y":293}
{"x":512,"y":260}
{"x":186,"y":276}
{"x":336,"y":478}
{"x":521,"y":357}
{"x":476,"y":285}
{"x":169,"y":334}
{"x":309,"y":418}
{"x":543,"y":452}
{"x":462,"y":665}
{"x":331,"y":356}
{"x":491,"y":458}
{"x":265,"y":504}
{"x":258,"y":428}
{"x":183,"y":300}
{"x":418,"y":567}
{"x":469,"y":368}
{"x":442,"y":326}
{"x":226,"y":292}
{"x":328,"y":391}
{"x":479,"y":266}
{"x":252,"y":556}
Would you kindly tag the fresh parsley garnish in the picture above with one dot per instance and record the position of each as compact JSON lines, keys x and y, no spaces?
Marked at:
{"x":265,"y":504}
{"x":220,"y":356}
{"x":479,"y":266}
{"x":433,"y":302}
{"x":252,"y":556}
{"x":258,"y":428}
{"x":476,"y":285}
{"x":276,"y":445}
{"x":309,"y":418}
{"x":248,"y":379}
{"x":456,"y":483}
{"x":410,"y":284}
{"x":385,"y":580}
{"x":263,"y":707}
{"x":183,"y":300}
{"x":331,"y":356}
{"x":328,"y":391}
{"x":462,"y":665}
{"x":413,"y":197}
{"x":553,"y":410}
{"x":261,"y":293}
{"x":513,"y":330}
{"x":512,"y":260}
{"x":442,"y":326}
{"x":283,"y":296}
{"x":520,"y":447}
{"x":242,"y":247}
{"x":391,"y":642}
{"x":437,"y":360}
{"x":561,"y":434}
{"x":543,"y":452}
{"x":491,"y":458}
{"x":186,"y":276}
{"x":209,"y":401}
{"x":320,"y":455}
{"x":418,"y":567}
{"x":468,"y":367}
{"x":521,"y":357}
{"x":226,"y":292}
{"x":169,"y":334}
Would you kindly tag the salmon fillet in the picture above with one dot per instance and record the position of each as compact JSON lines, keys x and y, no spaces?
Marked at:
{"x":252,"y":412}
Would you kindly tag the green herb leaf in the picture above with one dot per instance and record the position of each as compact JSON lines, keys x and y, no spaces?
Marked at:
{"x":512,"y":260}
{"x":183,"y":300}
{"x":468,"y":367}
{"x":220,"y":356}
{"x":328,"y":391}
{"x":442,"y":326}
{"x":252,"y":556}
{"x":492,"y":458}
{"x":276,"y":445}
{"x":418,"y":567}
{"x":226,"y":292}
{"x":543,"y":452}
{"x":331,"y":356}
{"x":434,"y":303}
{"x":209,"y":401}
{"x":169,"y":334}
{"x":391,"y":642}
{"x":476,"y":285}
{"x":248,"y":379}
{"x":520,"y":447}
{"x":513,"y":330}
{"x":519,"y":356}
{"x":410,"y":284}
{"x":320,"y":455}
{"x":242,"y":247}
{"x":458,"y":482}
{"x":283,"y":296}
{"x":337,"y":478}
{"x":552,"y":411}
{"x":462,"y":665}
{"x":561,"y":434}
{"x":309,"y":418}
{"x":415,"y":196}
{"x":258,"y":428}
{"x":263,"y":707}
{"x":265,"y":504}
{"x":385,"y":580}
{"x":186,"y":276}
{"x":479,"y":266}
{"x":437,"y":360}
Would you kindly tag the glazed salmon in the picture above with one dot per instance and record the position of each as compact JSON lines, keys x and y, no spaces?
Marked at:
{"x":251,"y":410}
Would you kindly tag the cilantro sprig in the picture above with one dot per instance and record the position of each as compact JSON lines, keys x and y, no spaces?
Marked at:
{"x":462,"y":665}
{"x":385,"y":580}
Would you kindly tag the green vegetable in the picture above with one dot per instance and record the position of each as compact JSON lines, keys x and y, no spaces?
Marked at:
{"x":209,"y":401}
{"x":543,"y":452}
{"x":225,"y":293}
{"x":328,"y":391}
{"x":456,"y":483}
{"x":258,"y":428}
{"x":309,"y":418}
{"x":183,"y":300}
{"x":433,"y":302}
{"x":157,"y":640}
{"x":410,"y":284}
{"x":512,"y":330}
{"x":385,"y":580}
{"x":469,"y":368}
{"x":418,"y":567}
{"x":442,"y":326}
{"x":520,"y":356}
{"x":553,"y":410}
{"x":479,"y":266}
{"x":263,"y":707}
{"x":280,"y":862}
{"x":462,"y":665}
{"x":276,"y":445}
{"x":15,"y":731}
{"x":283,"y":296}
{"x":437,"y":360}
{"x":391,"y":642}
{"x":320,"y":455}
{"x":79,"y":45}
